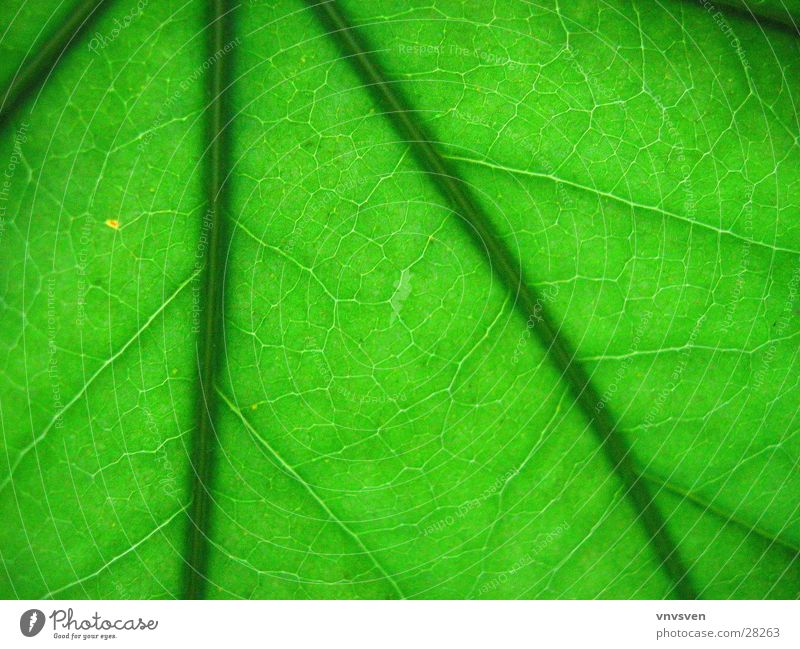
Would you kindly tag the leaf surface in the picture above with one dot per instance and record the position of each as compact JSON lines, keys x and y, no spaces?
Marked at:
{"x":386,"y":421}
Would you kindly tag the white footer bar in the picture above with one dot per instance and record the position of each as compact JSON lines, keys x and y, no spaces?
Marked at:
{"x":400,"y":625}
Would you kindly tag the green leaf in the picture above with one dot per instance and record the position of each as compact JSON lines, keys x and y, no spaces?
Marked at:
{"x":781,"y":11}
{"x":421,"y":300}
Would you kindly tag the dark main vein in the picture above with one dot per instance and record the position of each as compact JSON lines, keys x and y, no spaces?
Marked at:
{"x":35,"y":72}
{"x":779,"y":18}
{"x":707,"y":506}
{"x":210,"y":344}
{"x":390,"y":97}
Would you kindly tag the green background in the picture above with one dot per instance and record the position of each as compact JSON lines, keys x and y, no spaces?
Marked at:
{"x":388,"y":425}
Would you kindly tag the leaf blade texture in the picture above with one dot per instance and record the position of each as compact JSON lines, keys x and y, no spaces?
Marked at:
{"x":387,"y":423}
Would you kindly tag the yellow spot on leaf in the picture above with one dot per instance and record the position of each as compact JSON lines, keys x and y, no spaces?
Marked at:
{"x":113,"y":224}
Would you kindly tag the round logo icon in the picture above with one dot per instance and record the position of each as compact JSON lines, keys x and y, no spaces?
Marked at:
{"x":31,"y":622}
